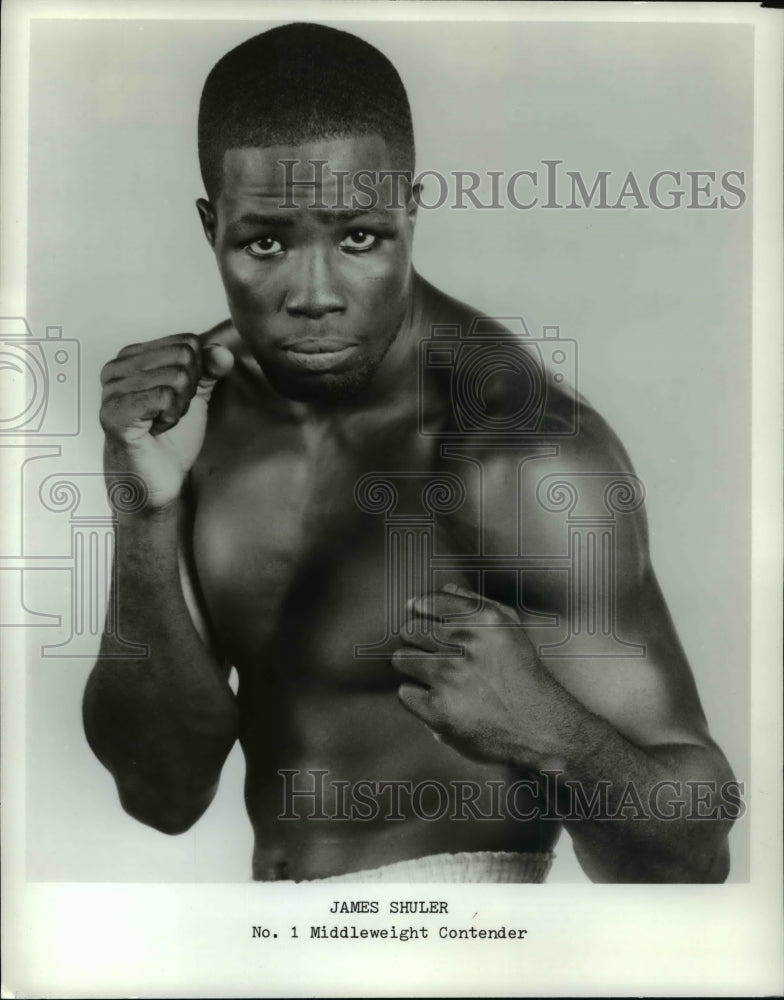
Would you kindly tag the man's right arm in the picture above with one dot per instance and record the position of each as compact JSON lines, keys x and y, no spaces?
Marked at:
{"x":162,"y":724}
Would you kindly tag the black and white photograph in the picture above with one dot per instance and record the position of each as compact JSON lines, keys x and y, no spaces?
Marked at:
{"x":391,"y":439}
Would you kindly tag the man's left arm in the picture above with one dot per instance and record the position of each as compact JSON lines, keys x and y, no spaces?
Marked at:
{"x":641,"y":783}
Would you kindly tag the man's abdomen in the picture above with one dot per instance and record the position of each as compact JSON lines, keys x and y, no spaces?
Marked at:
{"x":340,"y":777}
{"x":357,"y":783}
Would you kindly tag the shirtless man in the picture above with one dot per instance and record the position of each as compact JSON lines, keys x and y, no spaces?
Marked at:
{"x":251,"y":440}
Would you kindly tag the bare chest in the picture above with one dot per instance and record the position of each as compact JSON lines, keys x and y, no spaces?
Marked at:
{"x":306,"y":558}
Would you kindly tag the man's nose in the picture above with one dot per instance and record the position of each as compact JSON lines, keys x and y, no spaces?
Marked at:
{"x":314,"y":287}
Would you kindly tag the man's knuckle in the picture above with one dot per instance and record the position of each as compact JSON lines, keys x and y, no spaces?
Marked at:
{"x":407,"y":694}
{"x":181,"y":379}
{"x":112,"y":413}
{"x":186,"y":354}
{"x":128,"y":350}
{"x":443,"y":718}
{"x":110,"y":404}
{"x":108,"y":371}
{"x":166,"y":395}
{"x":493,"y":614}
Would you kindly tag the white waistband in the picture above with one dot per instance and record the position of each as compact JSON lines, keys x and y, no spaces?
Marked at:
{"x":467,"y":866}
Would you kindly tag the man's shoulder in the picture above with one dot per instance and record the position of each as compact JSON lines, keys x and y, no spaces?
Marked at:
{"x":507,"y":403}
{"x":570,"y":438}
{"x":533,"y":489}
{"x":502,"y":391}
{"x":225,"y":334}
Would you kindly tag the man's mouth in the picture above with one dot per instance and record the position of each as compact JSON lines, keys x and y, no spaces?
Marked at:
{"x":319,"y":355}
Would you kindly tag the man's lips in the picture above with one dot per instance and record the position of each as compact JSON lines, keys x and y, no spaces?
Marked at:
{"x":317,"y":345}
{"x":318,"y":355}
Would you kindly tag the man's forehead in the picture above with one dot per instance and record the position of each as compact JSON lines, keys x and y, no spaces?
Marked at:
{"x":336,"y":174}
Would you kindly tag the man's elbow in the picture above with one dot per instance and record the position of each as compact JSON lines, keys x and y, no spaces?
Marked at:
{"x":168,"y":812}
{"x":721,"y":867}
{"x":713,"y":867}
{"x":698,"y":858}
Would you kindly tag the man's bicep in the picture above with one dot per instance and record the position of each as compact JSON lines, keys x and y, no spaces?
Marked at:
{"x":577,"y":519}
{"x":586,"y":569}
{"x":193,"y":598}
{"x":650,"y":698}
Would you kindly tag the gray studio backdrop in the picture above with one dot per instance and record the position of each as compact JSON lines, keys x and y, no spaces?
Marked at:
{"x":659,"y":302}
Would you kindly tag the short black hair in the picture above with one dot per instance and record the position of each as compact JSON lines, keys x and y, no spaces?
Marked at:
{"x":297,"y":83}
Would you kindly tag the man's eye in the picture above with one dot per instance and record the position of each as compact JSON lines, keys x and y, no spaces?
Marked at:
{"x":265,"y":247}
{"x":359,"y":240}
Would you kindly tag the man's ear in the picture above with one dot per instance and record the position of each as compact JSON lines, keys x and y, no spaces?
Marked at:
{"x":208,"y":221}
{"x":413,"y":202}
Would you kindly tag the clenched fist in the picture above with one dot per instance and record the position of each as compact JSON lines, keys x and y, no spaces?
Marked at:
{"x":154,"y":410}
{"x":495,"y":703}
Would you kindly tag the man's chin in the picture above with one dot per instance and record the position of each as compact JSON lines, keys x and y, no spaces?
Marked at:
{"x":324,"y":388}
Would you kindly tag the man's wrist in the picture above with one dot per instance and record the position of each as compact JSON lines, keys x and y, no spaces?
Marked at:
{"x":565,"y":745}
{"x":148,"y":538}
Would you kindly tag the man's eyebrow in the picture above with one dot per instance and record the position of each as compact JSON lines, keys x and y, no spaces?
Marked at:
{"x":331,"y":216}
{"x":326,"y":216}
{"x":258,"y":219}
